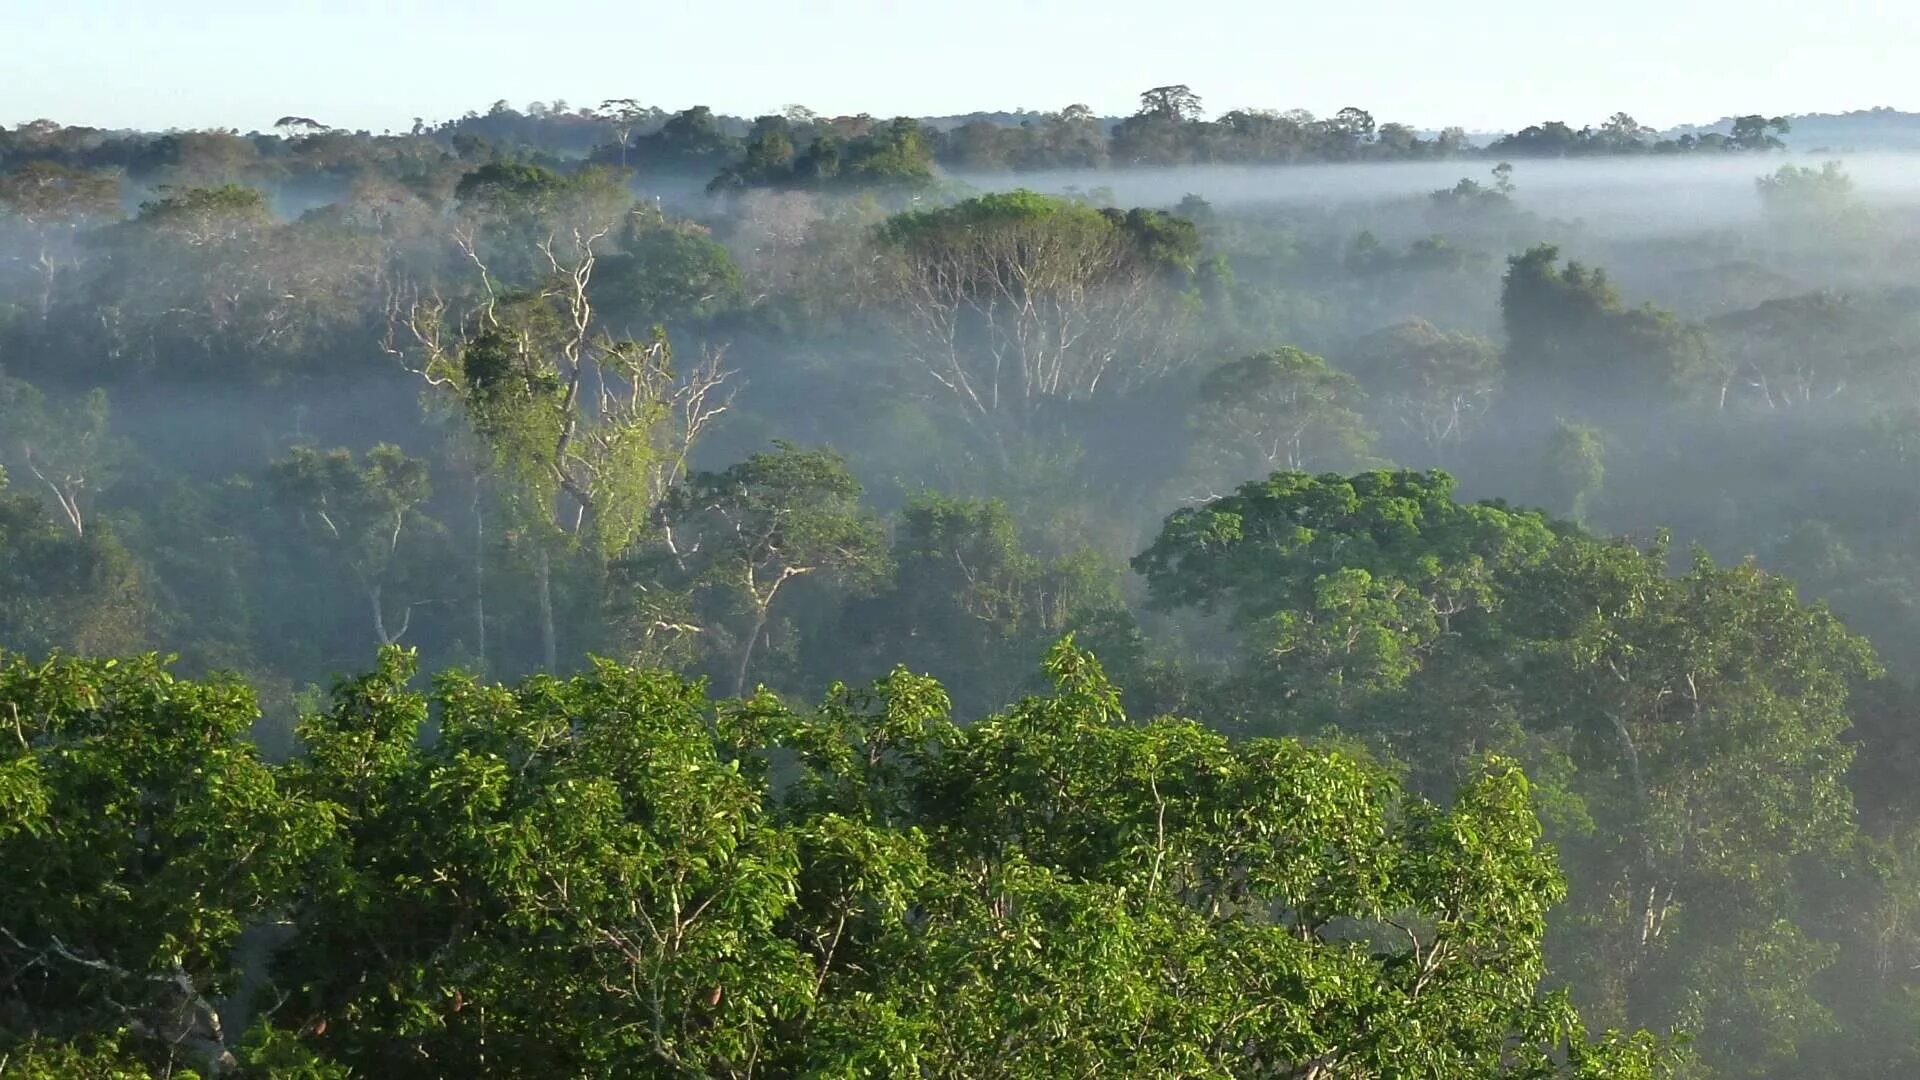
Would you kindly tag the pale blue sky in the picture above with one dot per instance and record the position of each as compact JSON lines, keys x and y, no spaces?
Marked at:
{"x":1485,"y":64}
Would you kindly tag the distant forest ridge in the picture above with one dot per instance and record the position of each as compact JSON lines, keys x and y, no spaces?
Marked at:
{"x":1861,"y":130}
{"x":1857,"y":130}
{"x":798,"y":148}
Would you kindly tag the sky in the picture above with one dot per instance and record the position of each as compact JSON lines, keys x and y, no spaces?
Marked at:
{"x":1489,"y":65}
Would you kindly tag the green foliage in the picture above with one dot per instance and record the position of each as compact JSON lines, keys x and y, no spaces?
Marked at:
{"x":1569,"y":335}
{"x":740,"y":539}
{"x":47,"y":194}
{"x":1694,"y":725}
{"x":602,"y":876}
{"x":203,"y":213}
{"x":1426,"y":384}
{"x":575,"y":875}
{"x":504,"y":183}
{"x":1471,"y":198}
{"x":667,"y":272}
{"x":516,"y":190}
{"x":156,"y":837}
{"x":81,"y":592}
{"x":358,"y":515}
{"x":66,"y":449}
{"x":1795,"y":190}
{"x":1340,"y":586}
{"x":586,"y":431}
{"x":1756,"y":132}
{"x":95,"y":1058}
{"x":1158,"y":239}
{"x":1805,"y":350}
{"x":1282,"y":409}
{"x":970,"y":602}
{"x":1622,"y":134}
{"x":897,"y":155}
{"x":1012,"y":303}
{"x":1695,"y":740}
{"x":1576,"y":467}
{"x":690,"y":141}
{"x":513,"y":210}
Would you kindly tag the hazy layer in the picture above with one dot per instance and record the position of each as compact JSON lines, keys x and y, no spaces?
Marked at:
{"x":1636,"y":195}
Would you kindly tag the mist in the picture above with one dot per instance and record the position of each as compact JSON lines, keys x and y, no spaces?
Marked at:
{"x":1631,"y":196}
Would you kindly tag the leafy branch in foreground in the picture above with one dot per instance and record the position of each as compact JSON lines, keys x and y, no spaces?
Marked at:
{"x":612,"y":875}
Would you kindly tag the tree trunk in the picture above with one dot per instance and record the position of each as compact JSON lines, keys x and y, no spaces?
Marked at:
{"x":746,"y":654}
{"x":479,"y":577}
{"x":1646,"y":917}
{"x":379,"y":616}
{"x":47,"y":273}
{"x":549,"y":647}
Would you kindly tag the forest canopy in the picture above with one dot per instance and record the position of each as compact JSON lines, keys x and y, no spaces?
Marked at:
{"x":609,"y":874}
{"x":624,"y":592}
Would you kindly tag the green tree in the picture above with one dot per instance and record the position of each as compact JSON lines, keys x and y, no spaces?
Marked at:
{"x":155,"y":836}
{"x":190,"y":281}
{"x":1688,"y":731}
{"x":586,"y":430}
{"x":358,"y":515}
{"x":204,"y":215}
{"x":595,"y":426}
{"x":1622,"y":134}
{"x":1574,"y":343}
{"x":1757,"y":132}
{"x":1279,"y":410}
{"x":1175,"y":103}
{"x":741,"y":538}
{"x":970,"y":603}
{"x":598,"y":875}
{"x":522,"y":224}
{"x":1806,"y":193}
{"x":665,"y":273}
{"x":575,"y":874}
{"x":84,"y":593}
{"x":1470,"y":200}
{"x":1801,"y":351}
{"x":770,"y":154}
{"x":1013,"y":301}
{"x":1576,"y":469}
{"x":1163,"y":840}
{"x":623,"y":115}
{"x":1339,"y":590}
{"x":1431,"y":387}
{"x":70,"y":451}
{"x":689,"y":141}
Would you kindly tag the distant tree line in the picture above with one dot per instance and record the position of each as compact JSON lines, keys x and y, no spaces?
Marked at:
{"x":800,"y":148}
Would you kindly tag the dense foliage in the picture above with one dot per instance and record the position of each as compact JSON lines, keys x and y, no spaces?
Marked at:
{"x":610,"y":875}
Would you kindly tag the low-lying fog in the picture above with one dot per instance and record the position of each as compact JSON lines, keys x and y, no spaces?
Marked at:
{"x":1639,"y":195}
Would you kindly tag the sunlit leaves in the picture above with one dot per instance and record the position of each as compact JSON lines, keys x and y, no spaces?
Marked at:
{"x":608,"y":874}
